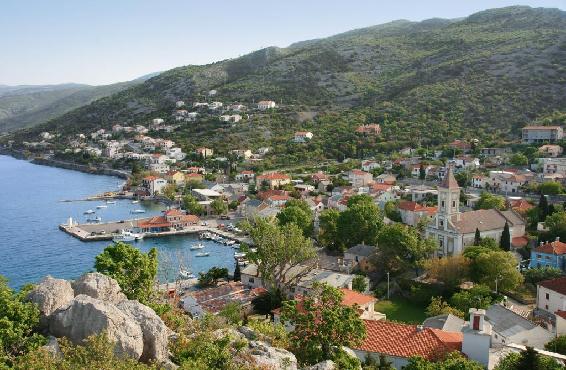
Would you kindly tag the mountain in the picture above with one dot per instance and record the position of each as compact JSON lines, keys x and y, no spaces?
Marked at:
{"x":480,"y":76}
{"x":29,"y":105}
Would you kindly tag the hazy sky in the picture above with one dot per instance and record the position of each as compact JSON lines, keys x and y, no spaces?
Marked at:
{"x":105,"y":41}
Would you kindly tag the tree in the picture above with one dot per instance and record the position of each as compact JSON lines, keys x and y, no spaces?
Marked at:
{"x":133,"y":270}
{"x":505,"y":241}
{"x":452,"y":361}
{"x":538,"y":274}
{"x":438,"y":306}
{"x":299,"y":213}
{"x":557,"y":345}
{"x":477,"y":237}
{"x":500,"y":266}
{"x":267,"y":302}
{"x":543,"y":207}
{"x":422,"y":172}
{"x":191,"y":205}
{"x":232,"y":312}
{"x":490,"y":201}
{"x":219,"y":206}
{"x":401,"y":247}
{"x":556,"y":224}
{"x":477,"y":297}
{"x":321,"y":324}
{"x":19,"y":322}
{"x":169,"y":191}
{"x":519,"y":159}
{"x":392,"y":211}
{"x":550,"y":188}
{"x":360,"y":223}
{"x":280,"y":249}
{"x":450,"y":270}
{"x":489,"y":243}
{"x":212,"y":276}
{"x":237,"y":273}
{"x":359,"y":283}
{"x":328,"y":228}
{"x":527,"y":359}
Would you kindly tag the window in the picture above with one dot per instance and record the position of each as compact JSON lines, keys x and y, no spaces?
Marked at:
{"x":546,"y":307}
{"x":251,"y":280}
{"x":441,"y":223}
{"x":453,"y":203}
{"x":547,"y":296}
{"x":442,"y":204}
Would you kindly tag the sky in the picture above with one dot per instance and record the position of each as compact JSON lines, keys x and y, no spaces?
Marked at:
{"x":106,"y":41}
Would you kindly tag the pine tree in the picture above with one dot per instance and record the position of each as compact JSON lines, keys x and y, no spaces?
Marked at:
{"x":477,"y":237}
{"x":422,"y":173}
{"x":505,"y":241}
{"x":543,"y":208}
{"x":237,"y":273}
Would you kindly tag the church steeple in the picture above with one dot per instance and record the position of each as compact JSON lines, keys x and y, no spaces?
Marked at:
{"x":448,"y":197}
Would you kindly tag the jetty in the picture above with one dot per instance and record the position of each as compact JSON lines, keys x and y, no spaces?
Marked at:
{"x":90,"y":232}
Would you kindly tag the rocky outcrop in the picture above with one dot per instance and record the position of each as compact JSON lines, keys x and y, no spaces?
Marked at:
{"x":324,"y":365}
{"x":86,"y":316}
{"x":99,"y":286}
{"x":155,"y":333}
{"x":271,"y":357}
{"x":49,"y":295}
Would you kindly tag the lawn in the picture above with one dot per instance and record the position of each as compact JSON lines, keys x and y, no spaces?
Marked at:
{"x":399,"y":309}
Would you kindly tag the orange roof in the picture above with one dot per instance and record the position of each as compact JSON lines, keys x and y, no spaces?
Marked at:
{"x":150,"y":178}
{"x":402,"y":340}
{"x":247,"y":172}
{"x":157,"y":221}
{"x":558,"y":285}
{"x":409,"y":206}
{"x":460,"y":144}
{"x":561,"y":314}
{"x":380,"y":187}
{"x":359,"y":172}
{"x":193,"y":175}
{"x":351,"y":297}
{"x":520,"y":241}
{"x":174,"y":212}
{"x":279,"y":197}
{"x":555,"y":247}
{"x":521,"y":205}
{"x":274,"y":176}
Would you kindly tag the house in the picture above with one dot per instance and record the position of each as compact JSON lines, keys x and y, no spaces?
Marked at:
{"x":266,"y":104}
{"x":554,"y":166}
{"x":195,"y":169}
{"x":386,"y":178}
{"x":494,"y":152}
{"x":447,"y":322}
{"x":273,"y":180}
{"x":551,"y":150}
{"x":213,"y":300}
{"x":551,"y":295}
{"x":157,"y":121}
{"x":242,"y":153}
{"x":204,"y":152}
{"x":179,"y":104}
{"x":371,"y":129}
{"x":420,"y":192}
{"x":302,"y":136}
{"x":176,"y":154}
{"x":506,"y":181}
{"x":455,"y":230}
{"x":193,"y":177}
{"x":277,"y":200}
{"x":399,"y":342}
{"x":215,"y":105}
{"x":191,"y":117}
{"x":412,"y":212}
{"x":206,"y":194}
{"x":175,"y":177}
{"x":465,"y":162}
{"x":233,"y":118}
{"x":359,"y":178}
{"x":549,"y":254}
{"x":154,"y":185}
{"x":520,"y":205}
{"x":370,"y":165}
{"x":541,"y":134}
{"x":461,"y":145}
{"x":359,"y":256}
{"x":159,"y":167}
{"x":212,"y":93}
{"x":510,"y":327}
{"x":172,"y":219}
{"x":319,"y":177}
{"x":245,"y":175}
{"x":479,"y":181}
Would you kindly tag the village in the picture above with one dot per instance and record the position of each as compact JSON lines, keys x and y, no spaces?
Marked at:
{"x":462,"y":205}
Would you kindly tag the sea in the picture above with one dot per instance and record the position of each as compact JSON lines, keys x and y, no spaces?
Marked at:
{"x":33,"y":204}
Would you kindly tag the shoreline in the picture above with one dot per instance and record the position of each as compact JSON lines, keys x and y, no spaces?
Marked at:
{"x":67,"y":165}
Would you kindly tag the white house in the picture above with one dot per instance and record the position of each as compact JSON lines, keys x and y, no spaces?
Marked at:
{"x":266,"y":104}
{"x":157,"y":121}
{"x":215,"y":105}
{"x":370,"y":165}
{"x":302,"y":136}
{"x":541,"y":134}
{"x":154,"y":185}
{"x":179,"y":104}
{"x":359,"y":178}
{"x":551,"y":295}
{"x":554,"y":166}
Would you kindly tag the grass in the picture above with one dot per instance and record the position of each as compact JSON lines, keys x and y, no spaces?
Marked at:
{"x":399,"y":309}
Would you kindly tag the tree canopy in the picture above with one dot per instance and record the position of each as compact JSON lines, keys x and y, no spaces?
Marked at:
{"x":299,"y":213}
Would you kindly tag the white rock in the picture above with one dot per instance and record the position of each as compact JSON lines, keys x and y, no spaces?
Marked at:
{"x":324,"y":365}
{"x":100,"y":286}
{"x":49,"y":295}
{"x":271,"y":357}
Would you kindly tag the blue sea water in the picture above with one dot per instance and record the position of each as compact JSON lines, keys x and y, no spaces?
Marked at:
{"x":32,"y":246}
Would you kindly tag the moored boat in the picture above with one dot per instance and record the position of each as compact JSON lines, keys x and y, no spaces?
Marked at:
{"x":89,"y":212}
{"x":102,"y":206}
{"x":202,"y":254}
{"x":197,"y":246}
{"x":137,"y":211}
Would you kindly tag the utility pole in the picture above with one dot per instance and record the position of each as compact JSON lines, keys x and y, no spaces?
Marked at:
{"x":387,"y":285}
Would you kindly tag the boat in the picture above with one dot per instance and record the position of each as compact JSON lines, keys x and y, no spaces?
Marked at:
{"x":94,"y":220}
{"x":110,"y":202}
{"x":197,"y":246}
{"x":102,"y":206}
{"x":186,"y":274}
{"x":89,"y":212}
{"x":230,"y":242}
{"x":202,"y":254}
{"x":236,"y":246}
{"x":239,"y":254}
{"x":135,"y":201}
{"x":137,"y":211}
{"x":205,"y":235}
{"x":127,"y":236}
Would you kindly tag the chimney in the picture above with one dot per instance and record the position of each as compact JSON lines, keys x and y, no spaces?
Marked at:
{"x":420,"y":328}
{"x":477,"y":317}
{"x":557,"y":238}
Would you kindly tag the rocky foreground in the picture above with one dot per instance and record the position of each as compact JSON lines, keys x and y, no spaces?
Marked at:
{"x":94,"y":303}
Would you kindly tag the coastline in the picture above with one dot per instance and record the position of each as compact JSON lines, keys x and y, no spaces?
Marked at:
{"x":67,"y":165}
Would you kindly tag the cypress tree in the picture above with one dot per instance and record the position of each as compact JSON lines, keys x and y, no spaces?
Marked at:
{"x":477,"y":237}
{"x":237,"y":273}
{"x":505,"y":241}
{"x":543,"y":208}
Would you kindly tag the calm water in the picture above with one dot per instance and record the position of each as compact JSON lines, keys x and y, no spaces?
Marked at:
{"x":32,"y":246}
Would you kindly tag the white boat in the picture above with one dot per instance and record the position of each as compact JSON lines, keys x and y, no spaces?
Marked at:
{"x":110,"y":202}
{"x":202,"y":254}
{"x":138,"y":211}
{"x":205,"y":235}
{"x":230,"y":242}
{"x":197,"y":246}
{"x":89,"y":212}
{"x":135,"y":201}
{"x":186,"y":274}
{"x":236,"y":246}
{"x":102,"y":206}
{"x":239,"y":254}
{"x":94,"y":220}
{"x":127,"y":236}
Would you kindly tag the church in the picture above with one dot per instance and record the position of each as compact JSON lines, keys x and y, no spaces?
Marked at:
{"x":456,"y":230}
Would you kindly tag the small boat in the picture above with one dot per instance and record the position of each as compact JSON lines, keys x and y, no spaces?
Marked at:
{"x":124,"y":236}
{"x":89,"y":212}
{"x":110,"y":202}
{"x":186,"y":274}
{"x":135,"y":201}
{"x":197,"y":246}
{"x":202,"y":254}
{"x":236,"y":246}
{"x":102,"y":206}
{"x":230,"y":242}
{"x":94,"y":220}
{"x":239,"y":254}
{"x":138,"y":211}
{"x":205,"y":235}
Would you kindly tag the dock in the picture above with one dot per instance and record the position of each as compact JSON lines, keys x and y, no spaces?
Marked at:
{"x":107,"y":230}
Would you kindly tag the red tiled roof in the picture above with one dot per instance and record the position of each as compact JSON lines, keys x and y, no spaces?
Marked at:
{"x":561,"y":314}
{"x":351,"y":297}
{"x":520,"y":241}
{"x":381,"y":187}
{"x":157,"y":221}
{"x":150,"y":178}
{"x":263,"y":195}
{"x":247,"y":172}
{"x":555,"y":247}
{"x":558,"y":285}
{"x":359,"y":172}
{"x":279,"y":197}
{"x":174,"y":212}
{"x":460,"y":144}
{"x":194,"y":175}
{"x":274,"y":176}
{"x":410,"y":206}
{"x":402,"y":340}
{"x":521,"y":205}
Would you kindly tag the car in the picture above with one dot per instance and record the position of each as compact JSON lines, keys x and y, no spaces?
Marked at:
{"x":224,"y":217}
{"x":204,"y":223}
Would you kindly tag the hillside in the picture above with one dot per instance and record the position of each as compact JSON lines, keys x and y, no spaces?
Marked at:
{"x":481,"y":76}
{"x":27,"y":106}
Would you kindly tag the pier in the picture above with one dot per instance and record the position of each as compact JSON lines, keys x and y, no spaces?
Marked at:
{"x":107,"y":230}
